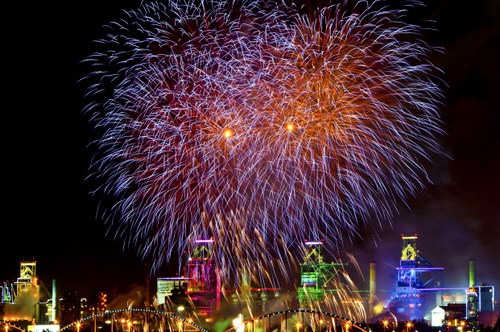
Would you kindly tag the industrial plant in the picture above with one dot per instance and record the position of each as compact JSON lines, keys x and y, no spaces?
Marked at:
{"x":418,"y":293}
{"x":28,"y":303}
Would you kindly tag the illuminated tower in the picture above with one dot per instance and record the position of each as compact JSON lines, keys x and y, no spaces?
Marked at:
{"x":315,"y":275}
{"x":411,"y":288}
{"x":203,"y":284}
{"x":27,"y":282}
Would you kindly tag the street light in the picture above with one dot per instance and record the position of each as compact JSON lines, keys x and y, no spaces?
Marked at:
{"x":385,"y":324}
{"x":449,"y":324}
{"x":408,"y":326}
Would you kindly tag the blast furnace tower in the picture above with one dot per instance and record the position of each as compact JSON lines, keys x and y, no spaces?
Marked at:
{"x":411,"y":291}
{"x":315,"y":275}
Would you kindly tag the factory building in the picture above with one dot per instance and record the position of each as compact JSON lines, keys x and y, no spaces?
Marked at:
{"x":27,"y":301}
{"x":29,"y":304}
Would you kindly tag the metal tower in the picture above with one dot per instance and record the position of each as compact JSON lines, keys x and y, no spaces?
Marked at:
{"x":27,"y":282}
{"x":203,"y":281}
{"x":315,"y":275}
{"x":410,"y":287}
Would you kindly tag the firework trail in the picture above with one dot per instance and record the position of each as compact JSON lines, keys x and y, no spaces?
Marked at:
{"x":249,"y":122}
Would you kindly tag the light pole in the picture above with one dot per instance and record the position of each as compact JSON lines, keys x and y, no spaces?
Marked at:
{"x":408,"y":326}
{"x":385,"y":325}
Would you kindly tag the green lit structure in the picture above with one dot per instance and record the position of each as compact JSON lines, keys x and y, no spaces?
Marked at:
{"x":315,"y":275}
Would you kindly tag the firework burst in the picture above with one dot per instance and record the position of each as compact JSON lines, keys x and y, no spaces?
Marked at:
{"x":248,"y":122}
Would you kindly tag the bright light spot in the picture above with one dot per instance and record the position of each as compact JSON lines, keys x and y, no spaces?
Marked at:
{"x":180,"y":308}
{"x":290,"y":127}
{"x":227,"y":133}
{"x":237,"y":321}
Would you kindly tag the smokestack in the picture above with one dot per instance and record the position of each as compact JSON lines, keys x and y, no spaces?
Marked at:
{"x":55,"y":301}
{"x":472,"y":273}
{"x":373,"y":286}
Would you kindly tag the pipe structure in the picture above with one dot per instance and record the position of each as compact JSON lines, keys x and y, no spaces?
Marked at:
{"x":55,"y":301}
{"x":472,"y":273}
{"x":373,"y":286}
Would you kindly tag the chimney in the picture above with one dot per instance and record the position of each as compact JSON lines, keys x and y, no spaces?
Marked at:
{"x":472,"y":273}
{"x":55,"y":300}
{"x":373,"y":286}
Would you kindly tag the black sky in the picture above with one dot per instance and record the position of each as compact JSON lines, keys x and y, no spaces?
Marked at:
{"x":49,"y":215}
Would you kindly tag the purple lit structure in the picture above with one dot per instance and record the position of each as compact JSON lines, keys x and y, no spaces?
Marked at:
{"x":411,"y":291}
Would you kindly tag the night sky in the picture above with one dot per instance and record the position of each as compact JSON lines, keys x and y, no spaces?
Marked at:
{"x":49,"y":215}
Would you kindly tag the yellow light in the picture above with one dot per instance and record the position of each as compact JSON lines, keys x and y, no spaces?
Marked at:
{"x":180,"y":308}
{"x":227,"y":133}
{"x":290,"y":127}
